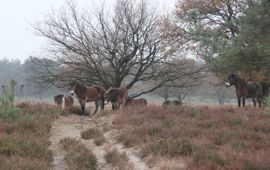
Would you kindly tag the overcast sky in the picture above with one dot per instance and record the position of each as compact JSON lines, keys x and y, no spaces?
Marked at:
{"x":17,"y":40}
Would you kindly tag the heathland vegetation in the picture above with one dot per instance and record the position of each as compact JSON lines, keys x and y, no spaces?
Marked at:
{"x":146,"y":53}
{"x":24,"y":132}
{"x":203,"y":137}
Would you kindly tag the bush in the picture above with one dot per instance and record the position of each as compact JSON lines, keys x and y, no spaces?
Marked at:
{"x":94,"y":134}
{"x":169,"y":147}
{"x":78,"y":156}
{"x":10,"y":113}
{"x":23,"y":148}
{"x":117,"y":160}
{"x":24,"y":135}
{"x":202,"y":156}
{"x":7,"y":109}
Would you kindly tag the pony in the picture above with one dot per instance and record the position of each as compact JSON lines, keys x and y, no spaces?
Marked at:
{"x":85,"y":94}
{"x":117,"y":96}
{"x":64,"y":101}
{"x":136,"y":102}
{"x":246,"y":89}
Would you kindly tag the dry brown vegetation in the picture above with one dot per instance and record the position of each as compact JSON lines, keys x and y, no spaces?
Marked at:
{"x":94,"y":134}
{"x":78,"y":157}
{"x":24,"y":136}
{"x":118,"y":160}
{"x":200,"y":137}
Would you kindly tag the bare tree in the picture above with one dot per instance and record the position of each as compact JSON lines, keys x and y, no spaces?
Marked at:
{"x":180,"y":93}
{"x":163,"y":92}
{"x":218,"y":87}
{"x":220,"y":93}
{"x":190,"y":74}
{"x":121,"y":49}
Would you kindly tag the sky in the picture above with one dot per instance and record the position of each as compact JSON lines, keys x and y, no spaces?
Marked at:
{"x":17,"y":38}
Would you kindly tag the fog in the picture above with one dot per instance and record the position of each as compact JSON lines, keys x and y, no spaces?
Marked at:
{"x":17,"y":36}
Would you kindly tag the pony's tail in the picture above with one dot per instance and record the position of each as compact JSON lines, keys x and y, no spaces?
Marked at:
{"x":102,"y":99}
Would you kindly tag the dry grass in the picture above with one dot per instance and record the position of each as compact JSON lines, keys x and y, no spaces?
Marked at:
{"x":78,"y":156}
{"x":24,"y":139}
{"x":118,"y":160}
{"x":94,"y":134}
{"x":201,"y":137}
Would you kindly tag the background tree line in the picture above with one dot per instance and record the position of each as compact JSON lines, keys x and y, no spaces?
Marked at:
{"x":231,"y":36}
{"x":134,"y":46}
{"x":15,"y":76}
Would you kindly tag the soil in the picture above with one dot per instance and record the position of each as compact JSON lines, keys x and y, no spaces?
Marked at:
{"x":73,"y":125}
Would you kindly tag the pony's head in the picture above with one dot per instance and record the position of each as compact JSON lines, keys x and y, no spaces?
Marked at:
{"x":111,"y":94}
{"x":231,"y":80}
{"x":58,"y":99}
{"x":73,"y":87}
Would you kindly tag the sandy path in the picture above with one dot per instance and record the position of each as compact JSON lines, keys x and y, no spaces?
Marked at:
{"x":73,"y":125}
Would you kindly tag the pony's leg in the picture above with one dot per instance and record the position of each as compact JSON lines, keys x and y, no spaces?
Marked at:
{"x":259,"y":100}
{"x":243,"y":102}
{"x":102,"y":101}
{"x":82,"y":103}
{"x":254,"y":102}
{"x":96,"y":104}
{"x":239,"y":102}
{"x":113,"y":106}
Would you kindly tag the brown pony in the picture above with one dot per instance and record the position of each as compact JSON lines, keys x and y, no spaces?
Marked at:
{"x":117,"y":96}
{"x":245,"y":89}
{"x":172,"y":103}
{"x":64,"y":101}
{"x":136,"y":102}
{"x":85,"y":94}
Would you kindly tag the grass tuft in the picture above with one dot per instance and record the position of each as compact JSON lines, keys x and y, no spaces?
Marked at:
{"x":94,"y":134}
{"x":78,"y":156}
{"x":119,"y":161}
{"x":24,"y":132}
{"x":201,"y":136}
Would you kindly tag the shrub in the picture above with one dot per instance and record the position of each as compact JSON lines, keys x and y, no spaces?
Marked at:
{"x":93,"y":134}
{"x":10,"y":113}
{"x":23,"y":148}
{"x":169,"y":147}
{"x":78,"y":156}
{"x":117,"y":160}
{"x":202,"y":156}
{"x":24,"y":136}
{"x":153,"y":130}
{"x":7,"y":109}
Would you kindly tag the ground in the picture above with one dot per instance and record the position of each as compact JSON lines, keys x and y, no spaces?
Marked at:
{"x":185,"y":137}
{"x":71,"y":126}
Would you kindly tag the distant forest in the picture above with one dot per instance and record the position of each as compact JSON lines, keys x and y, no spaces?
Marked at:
{"x":21,"y":74}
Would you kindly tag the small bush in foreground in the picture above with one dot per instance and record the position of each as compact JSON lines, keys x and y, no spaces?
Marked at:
{"x":23,"y":163}
{"x":169,"y":147}
{"x":23,"y":148}
{"x":120,"y":161}
{"x":24,"y":134}
{"x":78,"y":156}
{"x":94,"y":134}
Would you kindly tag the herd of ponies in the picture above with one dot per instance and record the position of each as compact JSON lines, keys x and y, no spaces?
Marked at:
{"x":118,"y":97}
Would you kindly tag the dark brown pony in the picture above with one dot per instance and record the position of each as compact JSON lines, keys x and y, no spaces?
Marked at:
{"x":85,"y":94}
{"x":64,"y":101}
{"x":117,"y":96}
{"x":245,"y":89}
{"x":136,"y":102}
{"x":172,"y":103}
